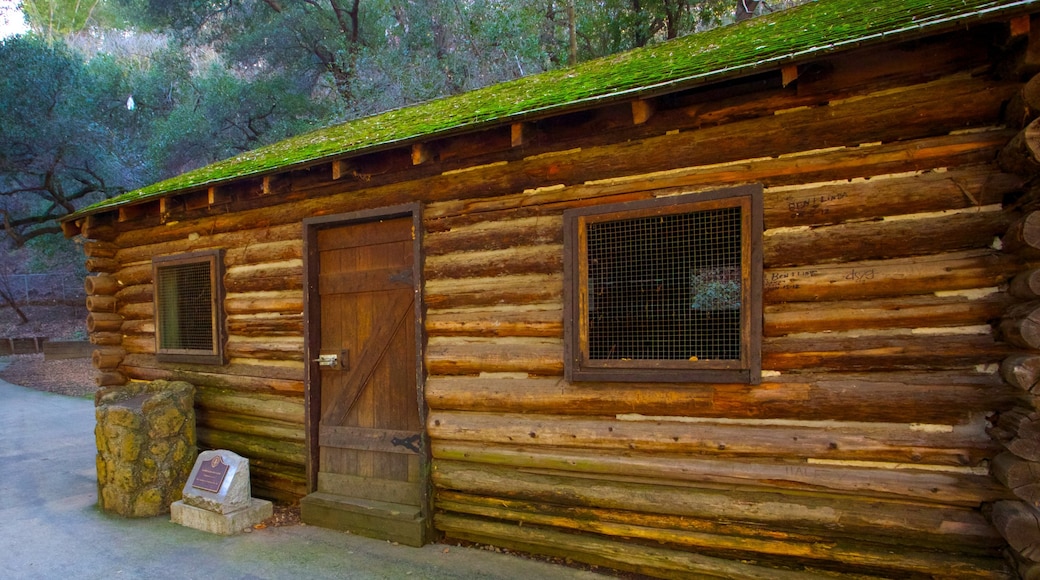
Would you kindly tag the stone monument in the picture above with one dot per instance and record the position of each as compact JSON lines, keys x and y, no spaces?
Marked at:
{"x":217,"y":497}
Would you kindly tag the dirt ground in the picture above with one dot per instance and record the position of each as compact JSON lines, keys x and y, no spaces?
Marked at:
{"x":54,"y":322}
{"x":73,"y":377}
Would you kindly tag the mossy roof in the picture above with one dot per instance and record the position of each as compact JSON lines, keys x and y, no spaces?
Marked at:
{"x":761,"y":43}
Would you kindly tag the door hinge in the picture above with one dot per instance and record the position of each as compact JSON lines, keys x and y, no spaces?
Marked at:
{"x":411,"y":443}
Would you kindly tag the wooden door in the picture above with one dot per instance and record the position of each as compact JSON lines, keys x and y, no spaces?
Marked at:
{"x":371,"y":460}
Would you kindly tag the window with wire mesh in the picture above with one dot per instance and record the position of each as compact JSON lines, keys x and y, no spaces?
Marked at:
{"x":663,"y":288}
{"x":186,"y":307}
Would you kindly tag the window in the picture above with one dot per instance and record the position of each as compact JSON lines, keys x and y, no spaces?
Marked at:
{"x":188,"y":313}
{"x":666,"y":290}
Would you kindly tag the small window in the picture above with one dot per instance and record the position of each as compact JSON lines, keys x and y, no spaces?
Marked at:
{"x":666,"y":290}
{"x":188,"y":313}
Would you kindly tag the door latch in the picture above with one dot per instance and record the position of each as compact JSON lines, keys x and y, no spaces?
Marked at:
{"x":339,"y":361}
{"x":327,"y":360}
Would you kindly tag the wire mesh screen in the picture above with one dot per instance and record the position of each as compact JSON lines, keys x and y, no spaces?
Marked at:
{"x":185,"y":306}
{"x":666,"y":287}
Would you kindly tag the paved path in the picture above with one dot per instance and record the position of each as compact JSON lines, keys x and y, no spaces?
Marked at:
{"x":50,"y":526}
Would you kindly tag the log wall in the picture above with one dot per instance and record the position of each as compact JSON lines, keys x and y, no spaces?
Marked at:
{"x":887,"y":306}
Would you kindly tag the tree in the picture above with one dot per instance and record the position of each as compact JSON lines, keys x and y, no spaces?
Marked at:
{"x":55,"y":20}
{"x":60,"y":145}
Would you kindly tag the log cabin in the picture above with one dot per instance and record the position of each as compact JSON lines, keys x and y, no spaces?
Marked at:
{"x":760,"y":302}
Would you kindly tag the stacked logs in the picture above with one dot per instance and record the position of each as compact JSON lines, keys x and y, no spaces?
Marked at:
{"x":1018,"y":430}
{"x":104,"y":323}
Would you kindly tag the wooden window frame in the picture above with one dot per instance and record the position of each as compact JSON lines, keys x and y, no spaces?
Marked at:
{"x":746,"y":370}
{"x":215,"y":355}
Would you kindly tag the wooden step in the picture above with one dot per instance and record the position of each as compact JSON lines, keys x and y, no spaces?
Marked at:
{"x":405,"y":524}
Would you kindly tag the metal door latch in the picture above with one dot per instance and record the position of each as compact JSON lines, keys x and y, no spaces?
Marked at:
{"x":327,"y":360}
{"x":339,"y":361}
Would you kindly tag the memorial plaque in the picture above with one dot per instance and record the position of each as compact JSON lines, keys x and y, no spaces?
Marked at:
{"x":218,"y":482}
{"x":210,"y":475}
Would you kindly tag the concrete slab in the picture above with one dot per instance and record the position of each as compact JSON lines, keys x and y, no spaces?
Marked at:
{"x":217,"y":523}
{"x":50,"y":526}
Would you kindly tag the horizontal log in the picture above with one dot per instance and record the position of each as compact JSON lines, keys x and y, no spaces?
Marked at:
{"x":709,"y":538}
{"x":543,"y":259}
{"x":142,"y":327}
{"x":1020,"y":526}
{"x":134,"y":273}
{"x":950,"y":488}
{"x":215,"y":380}
{"x":247,"y":240}
{"x":895,"y":237}
{"x":265,"y":324}
{"x":246,"y":425}
{"x":461,"y":356}
{"x":256,"y":369}
{"x":544,"y":356}
{"x":939,"y":398}
{"x":890,"y":278}
{"x":285,"y":452}
{"x":138,"y":343}
{"x":266,"y":276}
{"x":928,"y":310}
{"x":290,"y":301}
{"x":289,"y":409}
{"x":242,"y":250}
{"x":277,"y":482}
{"x":601,"y":551}
{"x":470,"y":292}
{"x":136,"y":294}
{"x":103,"y":322}
{"x":270,"y":348}
{"x":875,"y":353}
{"x":491,"y":235}
{"x":922,"y":311}
{"x":804,"y":513}
{"x":538,"y":320}
{"x":139,"y":311}
{"x":883,"y":442}
{"x":1021,"y":476}
{"x":101,"y":285}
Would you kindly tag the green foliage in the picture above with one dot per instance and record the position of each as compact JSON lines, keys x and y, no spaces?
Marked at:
{"x":60,"y":145}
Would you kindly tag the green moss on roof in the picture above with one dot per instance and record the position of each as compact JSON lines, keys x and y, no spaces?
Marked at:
{"x":764,"y":42}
